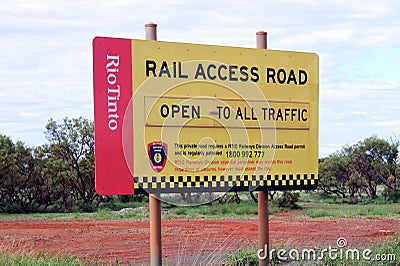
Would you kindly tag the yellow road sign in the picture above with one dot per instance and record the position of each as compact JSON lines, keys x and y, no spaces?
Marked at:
{"x":214,"y":118}
{"x":232,"y":118}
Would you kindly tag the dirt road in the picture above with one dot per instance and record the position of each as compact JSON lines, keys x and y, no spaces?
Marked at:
{"x":201,"y":240}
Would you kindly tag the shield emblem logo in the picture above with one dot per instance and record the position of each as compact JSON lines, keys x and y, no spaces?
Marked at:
{"x":157,"y":152}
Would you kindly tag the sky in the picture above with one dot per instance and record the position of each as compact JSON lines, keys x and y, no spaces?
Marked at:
{"x":46,"y":53}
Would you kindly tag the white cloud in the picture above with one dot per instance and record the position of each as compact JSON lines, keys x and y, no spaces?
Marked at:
{"x":47,"y":60}
{"x":368,"y":9}
{"x":388,"y":123}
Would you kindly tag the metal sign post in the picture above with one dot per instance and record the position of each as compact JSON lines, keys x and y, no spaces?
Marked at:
{"x":154,"y":201}
{"x":263,"y":219}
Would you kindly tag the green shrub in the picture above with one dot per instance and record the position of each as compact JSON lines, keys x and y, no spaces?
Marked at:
{"x":41,"y":260}
{"x":243,"y":257}
{"x":394,"y":195}
{"x":288,"y":199}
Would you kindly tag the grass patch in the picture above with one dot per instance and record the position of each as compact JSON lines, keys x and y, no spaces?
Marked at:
{"x":245,"y":209}
{"x":41,"y":260}
{"x":243,"y":257}
{"x":315,"y":210}
{"x":316,"y":205}
{"x":99,"y":215}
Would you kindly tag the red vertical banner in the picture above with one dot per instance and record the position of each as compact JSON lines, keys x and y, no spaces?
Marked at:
{"x":112,"y":87}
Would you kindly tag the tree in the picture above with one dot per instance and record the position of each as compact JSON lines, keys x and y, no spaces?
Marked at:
{"x":333,"y":175}
{"x":50,"y":175}
{"x":7,"y":172}
{"x":72,"y":150}
{"x":20,"y":190}
{"x":374,"y":161}
{"x":360,"y":168}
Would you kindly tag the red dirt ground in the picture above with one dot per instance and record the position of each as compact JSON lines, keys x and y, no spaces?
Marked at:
{"x":201,"y":240}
